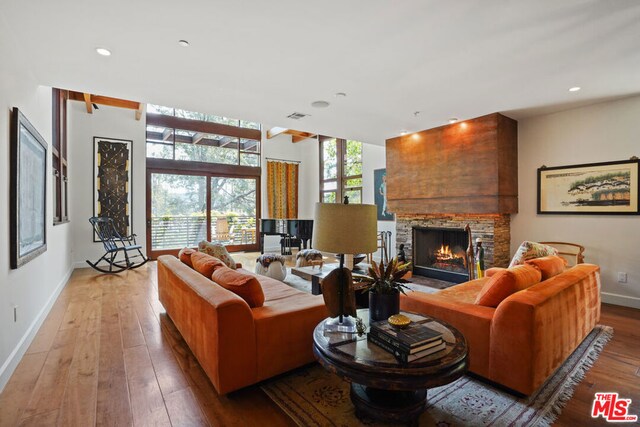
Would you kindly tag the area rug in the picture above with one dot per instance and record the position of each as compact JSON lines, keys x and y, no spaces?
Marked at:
{"x":313,"y":397}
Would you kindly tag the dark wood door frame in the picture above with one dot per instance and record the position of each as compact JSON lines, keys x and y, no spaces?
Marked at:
{"x":169,"y":167}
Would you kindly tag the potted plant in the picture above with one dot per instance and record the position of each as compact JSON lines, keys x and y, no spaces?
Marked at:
{"x":384,"y":285}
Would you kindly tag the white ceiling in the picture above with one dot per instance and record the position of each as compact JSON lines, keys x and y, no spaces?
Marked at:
{"x":262,"y":60}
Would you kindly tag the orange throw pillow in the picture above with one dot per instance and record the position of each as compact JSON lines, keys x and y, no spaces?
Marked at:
{"x":549,"y":265}
{"x":244,"y":285}
{"x":205,"y":264}
{"x":506,"y":282}
{"x":185,"y":256}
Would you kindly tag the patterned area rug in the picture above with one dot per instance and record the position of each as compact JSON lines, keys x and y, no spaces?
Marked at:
{"x":313,"y":397}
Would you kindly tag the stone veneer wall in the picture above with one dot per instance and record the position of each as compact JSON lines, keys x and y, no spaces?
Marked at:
{"x":495,"y":231}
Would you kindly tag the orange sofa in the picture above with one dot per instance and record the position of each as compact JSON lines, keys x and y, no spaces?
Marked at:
{"x":237,"y":345}
{"x":523,"y":340}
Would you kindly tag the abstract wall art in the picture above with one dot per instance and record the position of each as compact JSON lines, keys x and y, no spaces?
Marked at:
{"x":28,"y":191}
{"x":112,"y":182}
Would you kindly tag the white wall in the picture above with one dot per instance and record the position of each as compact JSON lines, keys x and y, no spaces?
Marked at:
{"x":374,"y":157}
{"x":33,"y":287}
{"x":601,"y":132}
{"x":107,"y":122}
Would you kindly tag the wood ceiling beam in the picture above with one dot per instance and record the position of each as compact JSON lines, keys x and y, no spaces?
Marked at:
{"x":275,"y":131}
{"x":296,"y":135}
{"x":139,"y":111}
{"x":87,"y":101}
{"x":90,"y":99}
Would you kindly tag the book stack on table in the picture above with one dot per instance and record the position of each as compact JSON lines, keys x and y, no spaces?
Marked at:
{"x":408,"y":344}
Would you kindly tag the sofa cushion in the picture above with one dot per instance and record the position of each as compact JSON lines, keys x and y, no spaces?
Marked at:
{"x":464,"y":292}
{"x":549,"y":266}
{"x":205,"y":264}
{"x":242,"y":284}
{"x":185,"y":256}
{"x":529,"y":250}
{"x":219,"y":251}
{"x":506,"y":282}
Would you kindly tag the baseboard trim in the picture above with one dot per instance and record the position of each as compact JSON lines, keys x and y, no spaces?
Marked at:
{"x":624,"y":300}
{"x":9,"y":366}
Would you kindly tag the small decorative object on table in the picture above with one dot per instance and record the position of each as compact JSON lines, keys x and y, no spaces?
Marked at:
{"x":384,"y":286}
{"x":399,"y":321}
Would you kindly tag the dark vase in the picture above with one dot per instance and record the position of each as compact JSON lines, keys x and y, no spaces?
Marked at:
{"x":381,"y":306}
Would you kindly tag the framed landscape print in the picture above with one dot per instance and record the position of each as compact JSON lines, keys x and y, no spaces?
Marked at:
{"x":380,"y":195}
{"x":596,"y":188}
{"x":28,"y":191}
{"x":112,"y":182}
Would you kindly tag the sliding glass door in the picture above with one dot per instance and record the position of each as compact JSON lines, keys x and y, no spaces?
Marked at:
{"x":184,"y":208}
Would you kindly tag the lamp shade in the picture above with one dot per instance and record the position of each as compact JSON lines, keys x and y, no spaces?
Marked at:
{"x":345,"y":229}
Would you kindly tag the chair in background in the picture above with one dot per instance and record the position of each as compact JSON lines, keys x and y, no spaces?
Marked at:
{"x":572,"y":252}
{"x":115,"y":245}
{"x":223,"y":233}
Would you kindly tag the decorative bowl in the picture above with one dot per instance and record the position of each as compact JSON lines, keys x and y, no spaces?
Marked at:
{"x":399,"y":321}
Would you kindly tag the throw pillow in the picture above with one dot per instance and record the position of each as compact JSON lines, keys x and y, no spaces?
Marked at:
{"x":185,"y":256}
{"x":205,"y":264}
{"x":529,"y":250}
{"x":506,"y":282}
{"x":549,"y":266}
{"x":246,"y":286}
{"x":219,"y":251}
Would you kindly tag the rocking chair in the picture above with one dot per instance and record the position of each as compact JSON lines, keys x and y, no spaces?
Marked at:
{"x":115,"y":244}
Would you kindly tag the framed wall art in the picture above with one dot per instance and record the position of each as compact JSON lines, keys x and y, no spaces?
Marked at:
{"x":596,"y":188}
{"x":112,"y":182}
{"x":28,"y":191}
{"x":380,"y":195}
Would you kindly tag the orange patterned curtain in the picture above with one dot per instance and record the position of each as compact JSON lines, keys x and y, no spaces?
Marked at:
{"x":282,"y":189}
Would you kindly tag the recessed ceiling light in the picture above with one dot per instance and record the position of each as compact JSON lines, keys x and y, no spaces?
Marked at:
{"x":453,"y":119}
{"x":103,"y":51}
{"x":574,"y":89}
{"x":320,"y":104}
{"x":403,"y":133}
{"x":340,"y":95}
{"x":183,"y":43}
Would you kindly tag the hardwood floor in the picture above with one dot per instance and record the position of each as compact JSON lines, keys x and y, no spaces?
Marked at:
{"x":107,"y":354}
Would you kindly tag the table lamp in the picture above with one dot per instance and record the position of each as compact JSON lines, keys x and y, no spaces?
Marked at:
{"x":343,"y":229}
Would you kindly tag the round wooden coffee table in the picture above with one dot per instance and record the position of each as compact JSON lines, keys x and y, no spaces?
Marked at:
{"x":382,"y":387}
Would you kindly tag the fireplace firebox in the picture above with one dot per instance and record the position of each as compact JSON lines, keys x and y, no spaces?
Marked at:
{"x":440,"y":253}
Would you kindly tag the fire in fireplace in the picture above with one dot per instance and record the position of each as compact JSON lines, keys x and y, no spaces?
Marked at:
{"x":440,"y":253}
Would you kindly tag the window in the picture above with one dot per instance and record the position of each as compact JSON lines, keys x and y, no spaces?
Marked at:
{"x":59,"y":155}
{"x":203,"y":175}
{"x":340,"y":170}
{"x":175,"y":134}
{"x":192,"y":115}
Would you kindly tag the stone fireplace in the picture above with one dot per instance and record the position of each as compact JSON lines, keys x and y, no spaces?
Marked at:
{"x":450,"y":176}
{"x":494,"y":229}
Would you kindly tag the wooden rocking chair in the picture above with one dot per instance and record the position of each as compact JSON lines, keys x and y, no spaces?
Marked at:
{"x":114,"y":244}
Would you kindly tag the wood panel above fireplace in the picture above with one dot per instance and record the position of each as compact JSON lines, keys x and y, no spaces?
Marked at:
{"x":469,"y":167}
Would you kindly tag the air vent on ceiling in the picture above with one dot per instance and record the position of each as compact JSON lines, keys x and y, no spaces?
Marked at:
{"x":297,"y":116}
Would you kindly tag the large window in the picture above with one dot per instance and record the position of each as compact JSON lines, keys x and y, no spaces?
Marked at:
{"x":176,"y":134}
{"x":203,"y":180}
{"x":59,"y":155}
{"x":340,"y":170}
